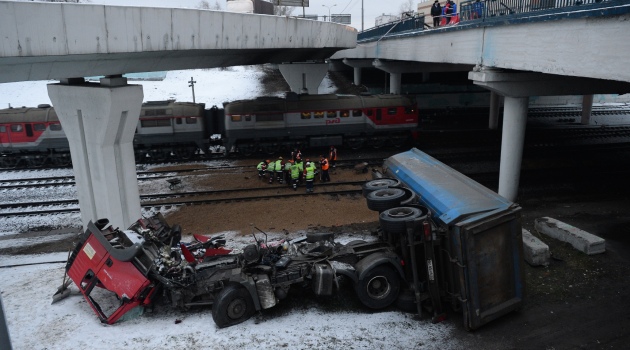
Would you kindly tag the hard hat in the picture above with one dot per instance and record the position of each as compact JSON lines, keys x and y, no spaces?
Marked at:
{"x":308,"y":163}
{"x":291,"y":161}
{"x":268,"y":161}
{"x":280,"y":158}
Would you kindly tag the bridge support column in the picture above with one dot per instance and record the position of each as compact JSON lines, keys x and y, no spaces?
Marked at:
{"x":357,"y":76}
{"x":357,"y":65}
{"x":395,"y":83}
{"x":304,"y":77}
{"x":495,"y":99}
{"x":514,"y":122}
{"x":587,"y":109}
{"x":100,"y":121}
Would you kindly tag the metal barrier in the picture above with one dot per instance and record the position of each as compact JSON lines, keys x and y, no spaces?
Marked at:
{"x":472,"y":10}
{"x":408,"y":23}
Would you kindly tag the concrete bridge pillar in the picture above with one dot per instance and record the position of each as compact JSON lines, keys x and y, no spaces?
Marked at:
{"x":514,"y":121}
{"x":587,"y":109}
{"x":395,"y":83}
{"x":304,"y":77}
{"x":357,"y":65}
{"x":100,"y":121}
{"x":495,"y":100}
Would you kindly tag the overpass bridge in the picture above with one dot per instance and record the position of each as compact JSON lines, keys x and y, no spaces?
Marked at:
{"x":66,"y":42}
{"x":562,"y":48}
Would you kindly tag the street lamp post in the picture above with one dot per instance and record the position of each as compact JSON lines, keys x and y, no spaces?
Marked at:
{"x":191,"y":84}
{"x":329,"y":7}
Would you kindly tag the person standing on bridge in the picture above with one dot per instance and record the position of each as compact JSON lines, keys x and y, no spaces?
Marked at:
{"x":436,"y":12}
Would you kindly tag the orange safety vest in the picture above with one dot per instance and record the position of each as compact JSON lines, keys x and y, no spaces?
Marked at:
{"x":324,"y":164}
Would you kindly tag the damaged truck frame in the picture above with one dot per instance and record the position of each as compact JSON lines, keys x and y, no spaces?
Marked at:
{"x":443,"y":239}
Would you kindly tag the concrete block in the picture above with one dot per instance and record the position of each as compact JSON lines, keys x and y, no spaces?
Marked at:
{"x":536,"y":252}
{"x":579,"y":239}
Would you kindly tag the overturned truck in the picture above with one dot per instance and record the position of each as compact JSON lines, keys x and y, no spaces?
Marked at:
{"x":443,"y":240}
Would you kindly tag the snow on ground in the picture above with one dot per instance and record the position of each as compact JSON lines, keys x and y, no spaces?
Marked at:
{"x":36,"y":324}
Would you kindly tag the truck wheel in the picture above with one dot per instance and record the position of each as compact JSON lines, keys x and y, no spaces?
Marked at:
{"x":394,"y":220}
{"x":379,"y":288}
{"x":385,"y":198}
{"x":378,"y":184}
{"x":232,"y":305}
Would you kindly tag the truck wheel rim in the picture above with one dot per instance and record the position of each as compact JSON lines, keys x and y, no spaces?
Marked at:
{"x":378,"y":287}
{"x":236,"y":308}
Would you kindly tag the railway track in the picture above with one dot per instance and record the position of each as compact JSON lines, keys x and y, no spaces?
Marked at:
{"x":25,"y":209}
{"x":49,"y":182}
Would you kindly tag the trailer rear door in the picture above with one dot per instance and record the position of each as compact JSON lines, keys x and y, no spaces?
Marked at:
{"x":491,"y":275}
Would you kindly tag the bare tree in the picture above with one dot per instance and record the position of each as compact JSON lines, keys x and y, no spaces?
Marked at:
{"x":408,"y":6}
{"x":203,"y":5}
{"x":216,"y":6}
{"x":283,"y":10}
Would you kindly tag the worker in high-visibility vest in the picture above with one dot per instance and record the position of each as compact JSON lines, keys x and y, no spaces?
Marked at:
{"x":333,"y":156}
{"x":262,"y":167}
{"x":270,"y":170}
{"x":309,"y":175}
{"x":279,"y":168}
{"x":325,"y":177}
{"x":295,"y":174}
{"x":287,"y":173}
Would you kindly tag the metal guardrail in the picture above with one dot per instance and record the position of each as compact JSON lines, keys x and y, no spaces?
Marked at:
{"x":408,"y":23}
{"x":471,"y":11}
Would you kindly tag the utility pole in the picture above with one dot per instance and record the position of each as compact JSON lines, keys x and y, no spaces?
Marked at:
{"x":362,"y":15}
{"x":192,"y":85}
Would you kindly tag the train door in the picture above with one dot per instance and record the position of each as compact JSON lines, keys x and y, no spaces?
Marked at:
{"x":4,"y":136}
{"x":379,"y":116}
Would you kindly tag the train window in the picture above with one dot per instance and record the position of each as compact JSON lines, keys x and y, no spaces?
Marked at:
{"x":16,"y":127}
{"x":248,"y":118}
{"x":178,"y":121}
{"x":270,"y":117}
{"x":319,"y":114}
{"x":391,"y":111}
{"x":357,"y":113}
{"x":369,"y":112}
{"x":235,"y":118}
{"x":3,"y":128}
{"x":306,"y":115}
{"x":190,"y":120}
{"x":331,"y":114}
{"x":409,"y":109}
{"x":155,"y":123}
{"x":344,"y":114}
{"x":39,"y":127}
{"x":55,"y":127}
{"x":168,"y":112}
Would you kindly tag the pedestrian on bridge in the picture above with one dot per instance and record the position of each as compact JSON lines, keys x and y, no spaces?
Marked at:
{"x":436,"y":12}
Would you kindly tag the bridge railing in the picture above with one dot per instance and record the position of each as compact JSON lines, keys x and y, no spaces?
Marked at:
{"x":472,"y":10}
{"x":408,"y":23}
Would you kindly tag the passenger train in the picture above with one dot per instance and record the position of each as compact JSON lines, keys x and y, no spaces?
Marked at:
{"x":169,"y":129}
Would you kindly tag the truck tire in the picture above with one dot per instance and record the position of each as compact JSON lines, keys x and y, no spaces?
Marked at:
{"x":385,"y":198}
{"x":378,"y":184}
{"x":232,"y":305}
{"x":314,"y":237}
{"x":379,"y":288}
{"x":394,"y":220}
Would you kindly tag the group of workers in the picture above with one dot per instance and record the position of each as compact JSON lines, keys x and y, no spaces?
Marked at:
{"x":297,"y":170}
